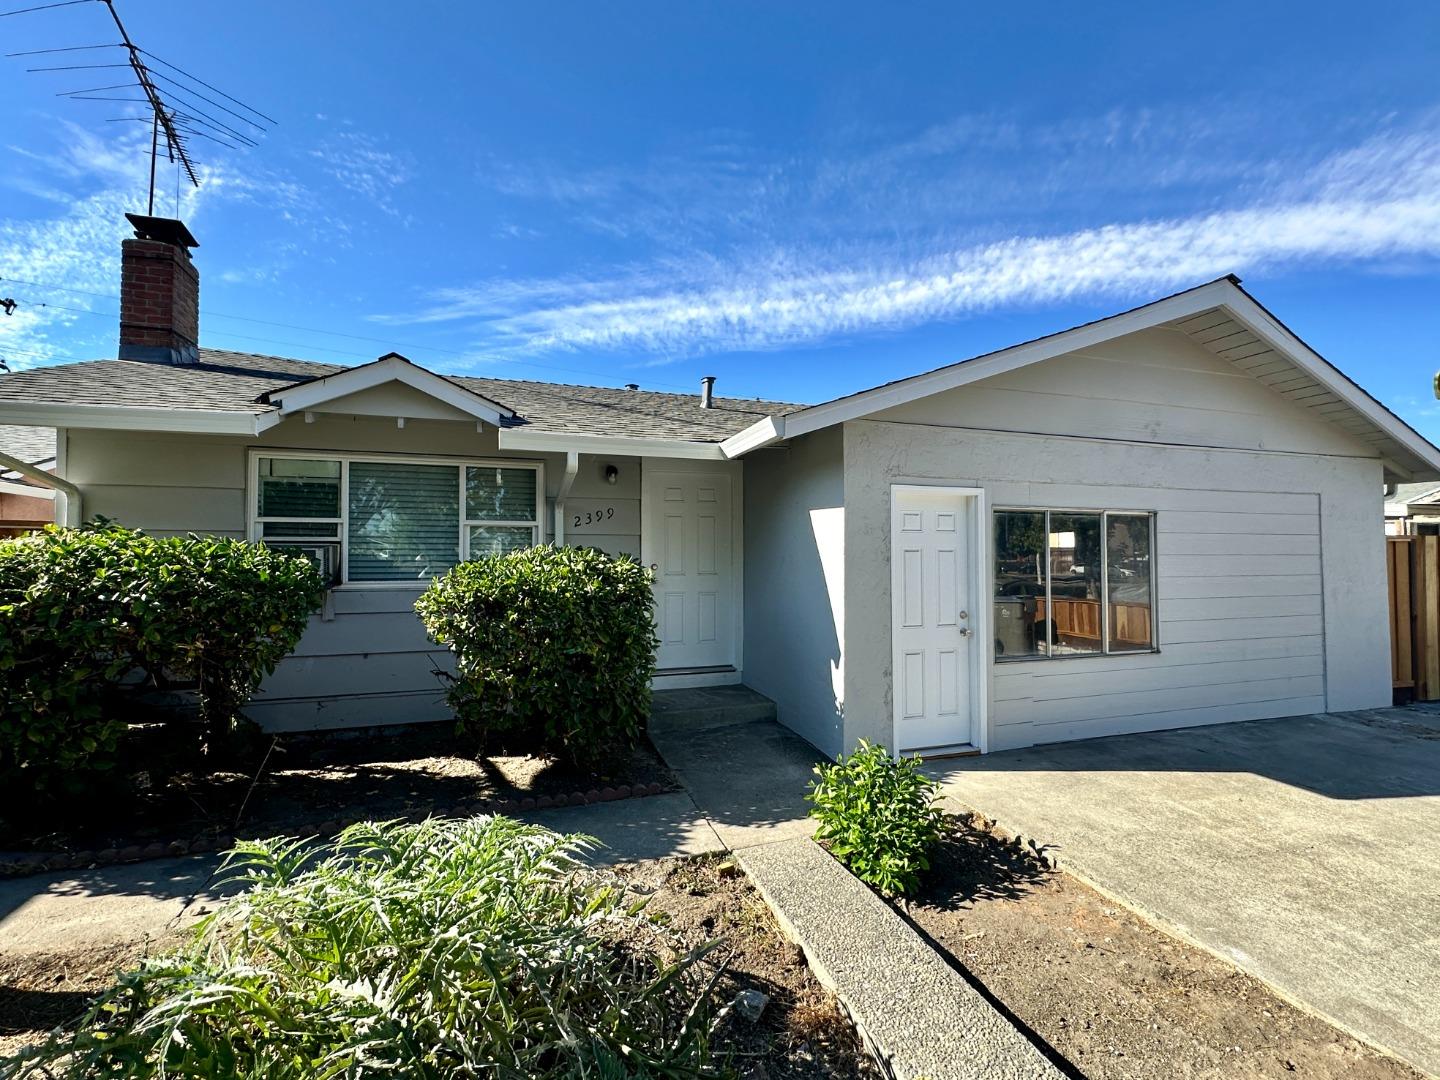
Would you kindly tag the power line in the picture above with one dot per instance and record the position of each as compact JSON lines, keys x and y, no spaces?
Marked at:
{"x":43,"y":7}
{"x":387,"y":342}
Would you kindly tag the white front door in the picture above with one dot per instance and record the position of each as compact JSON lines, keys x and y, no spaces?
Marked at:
{"x":686,"y":539}
{"x":937,"y":615}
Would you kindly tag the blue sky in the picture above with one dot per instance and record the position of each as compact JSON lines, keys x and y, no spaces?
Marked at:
{"x":800,"y":199}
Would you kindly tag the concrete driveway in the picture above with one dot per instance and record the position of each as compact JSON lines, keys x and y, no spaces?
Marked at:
{"x":1300,"y":849}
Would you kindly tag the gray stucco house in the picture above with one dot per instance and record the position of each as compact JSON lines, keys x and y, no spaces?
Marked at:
{"x":1159,"y":519}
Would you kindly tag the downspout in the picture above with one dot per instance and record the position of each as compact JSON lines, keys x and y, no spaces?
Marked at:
{"x":48,"y":480}
{"x":572,"y":469}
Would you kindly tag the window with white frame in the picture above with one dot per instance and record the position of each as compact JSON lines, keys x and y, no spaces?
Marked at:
{"x":397,"y":520}
{"x":1073,"y":583}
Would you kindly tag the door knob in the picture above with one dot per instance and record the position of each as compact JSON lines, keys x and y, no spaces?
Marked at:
{"x":965,"y":631}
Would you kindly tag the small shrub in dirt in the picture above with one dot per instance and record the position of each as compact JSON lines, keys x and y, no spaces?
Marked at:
{"x":477,"y":947}
{"x":877,"y":815}
{"x":89,"y":615}
{"x":556,"y":644}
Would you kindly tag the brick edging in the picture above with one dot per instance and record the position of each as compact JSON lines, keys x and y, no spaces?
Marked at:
{"x":40,"y":863}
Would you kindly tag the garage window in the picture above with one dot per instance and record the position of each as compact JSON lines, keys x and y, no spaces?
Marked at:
{"x":1073,"y":583}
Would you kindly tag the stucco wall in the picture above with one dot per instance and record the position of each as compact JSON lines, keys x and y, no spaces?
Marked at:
{"x":794,"y":583}
{"x":1271,"y":578}
{"x":371,"y":663}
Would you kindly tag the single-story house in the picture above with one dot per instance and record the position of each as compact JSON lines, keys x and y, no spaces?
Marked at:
{"x":1158,"y":519}
{"x":26,"y":505}
{"x":1412,"y":509}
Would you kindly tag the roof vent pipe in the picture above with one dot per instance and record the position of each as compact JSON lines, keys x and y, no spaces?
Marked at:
{"x":707,"y":392}
{"x":632,"y":386}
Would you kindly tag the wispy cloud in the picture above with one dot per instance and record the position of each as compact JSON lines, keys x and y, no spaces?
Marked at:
{"x":1378,"y":201}
{"x":361,"y":164}
{"x":78,"y":249}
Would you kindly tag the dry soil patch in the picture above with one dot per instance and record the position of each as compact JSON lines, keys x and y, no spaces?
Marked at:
{"x":1117,"y":998}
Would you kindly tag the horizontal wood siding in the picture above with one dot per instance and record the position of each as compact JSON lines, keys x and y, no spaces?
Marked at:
{"x":369,"y":661}
{"x":1270,"y":579}
{"x":1231,"y":577}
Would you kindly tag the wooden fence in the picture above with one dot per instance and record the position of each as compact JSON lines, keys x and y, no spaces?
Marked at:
{"x":1414,"y":571}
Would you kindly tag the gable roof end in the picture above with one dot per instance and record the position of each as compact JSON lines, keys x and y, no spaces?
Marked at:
{"x":392,"y":367}
{"x":1219,"y":315}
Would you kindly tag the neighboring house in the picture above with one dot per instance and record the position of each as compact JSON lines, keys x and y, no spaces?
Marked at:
{"x":25,"y":505}
{"x":1412,"y":510}
{"x":1159,"y":519}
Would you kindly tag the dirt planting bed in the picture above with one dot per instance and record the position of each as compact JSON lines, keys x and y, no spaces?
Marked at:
{"x":1112,"y":995}
{"x":801,"y":1034}
{"x":316,"y":785}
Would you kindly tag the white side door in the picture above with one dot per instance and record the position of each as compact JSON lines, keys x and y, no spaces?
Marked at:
{"x":937,"y":618}
{"x":686,"y":539}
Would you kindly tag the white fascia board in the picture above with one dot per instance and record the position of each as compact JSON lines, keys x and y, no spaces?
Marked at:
{"x":10,"y":487}
{"x":130,"y":418}
{"x":353,"y":380}
{"x":764,"y":432}
{"x":613,"y":445}
{"x":997,"y":363}
{"x":1266,"y":327}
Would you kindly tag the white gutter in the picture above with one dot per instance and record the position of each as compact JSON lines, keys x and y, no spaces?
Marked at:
{"x":49,"y":480}
{"x":611,"y":445}
{"x":572,"y":469}
{"x":29,"y":491}
{"x":129,"y":418}
{"x":766,"y":432}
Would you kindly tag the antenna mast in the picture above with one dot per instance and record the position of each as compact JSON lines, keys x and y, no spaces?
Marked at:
{"x":178,"y":118}
{"x":161,"y":118}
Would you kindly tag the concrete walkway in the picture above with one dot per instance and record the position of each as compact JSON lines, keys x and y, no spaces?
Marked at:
{"x":92,"y":909}
{"x":1299,"y":849}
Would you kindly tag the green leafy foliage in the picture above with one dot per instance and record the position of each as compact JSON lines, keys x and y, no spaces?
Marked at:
{"x":877,"y":815}
{"x":477,"y":947}
{"x":85,"y":613}
{"x":556,"y":644}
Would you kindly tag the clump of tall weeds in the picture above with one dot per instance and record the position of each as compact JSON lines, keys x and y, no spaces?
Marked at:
{"x":445,"y":949}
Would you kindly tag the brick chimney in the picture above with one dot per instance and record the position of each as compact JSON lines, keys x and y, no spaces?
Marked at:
{"x":159,"y":293}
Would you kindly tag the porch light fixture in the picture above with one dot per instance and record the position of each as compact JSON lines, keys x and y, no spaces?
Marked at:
{"x":612,"y":474}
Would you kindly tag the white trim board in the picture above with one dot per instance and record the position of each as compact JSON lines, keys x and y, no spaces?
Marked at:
{"x":1223,"y":294}
{"x":390,"y":368}
{"x":136,"y":418}
{"x":522,"y":438}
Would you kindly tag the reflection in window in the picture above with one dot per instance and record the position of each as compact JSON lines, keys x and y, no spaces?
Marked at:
{"x":1127,"y":551}
{"x":1019,"y":582}
{"x":402,"y":521}
{"x":1075,"y":583}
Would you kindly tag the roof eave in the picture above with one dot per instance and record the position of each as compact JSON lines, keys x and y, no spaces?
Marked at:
{"x":309,"y":394}
{"x":524,"y":438}
{"x":136,"y":418}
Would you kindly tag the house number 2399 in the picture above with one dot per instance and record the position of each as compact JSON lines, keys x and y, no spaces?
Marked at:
{"x":592,"y":517}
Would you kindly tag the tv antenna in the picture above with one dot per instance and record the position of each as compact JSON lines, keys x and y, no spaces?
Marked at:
{"x":179,"y":112}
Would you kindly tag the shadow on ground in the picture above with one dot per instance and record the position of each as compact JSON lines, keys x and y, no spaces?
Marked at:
{"x":970,"y":866}
{"x":1367,"y":754}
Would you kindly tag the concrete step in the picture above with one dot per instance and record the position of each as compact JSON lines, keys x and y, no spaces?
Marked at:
{"x":707,"y":708}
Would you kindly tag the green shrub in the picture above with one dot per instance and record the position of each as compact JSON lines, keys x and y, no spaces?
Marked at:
{"x":83,"y":610}
{"x":877,"y":815}
{"x":476,"y":947}
{"x":554,"y":643}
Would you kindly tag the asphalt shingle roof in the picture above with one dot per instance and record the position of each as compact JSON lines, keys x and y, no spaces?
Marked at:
{"x":32,"y":445}
{"x":234,"y":382}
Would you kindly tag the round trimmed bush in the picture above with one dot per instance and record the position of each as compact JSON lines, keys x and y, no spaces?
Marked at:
{"x":556,"y":644}
{"x":87,"y":613}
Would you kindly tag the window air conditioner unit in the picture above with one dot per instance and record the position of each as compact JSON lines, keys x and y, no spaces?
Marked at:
{"x":324,"y":555}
